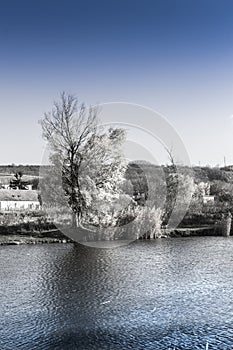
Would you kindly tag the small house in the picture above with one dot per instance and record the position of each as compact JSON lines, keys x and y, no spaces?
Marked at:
{"x":208,"y":199}
{"x":19,"y":200}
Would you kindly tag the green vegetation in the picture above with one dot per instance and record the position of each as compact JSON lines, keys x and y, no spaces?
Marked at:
{"x":206,"y":181}
{"x":24,"y":169}
{"x":217,"y":182}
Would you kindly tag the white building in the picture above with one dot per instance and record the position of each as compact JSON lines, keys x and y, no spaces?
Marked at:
{"x":208,"y":199}
{"x":19,"y":200}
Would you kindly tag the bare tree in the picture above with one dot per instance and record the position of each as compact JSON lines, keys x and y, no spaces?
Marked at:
{"x":180,"y":187}
{"x":89,"y":158}
{"x":70,"y":129}
{"x":171,"y":157}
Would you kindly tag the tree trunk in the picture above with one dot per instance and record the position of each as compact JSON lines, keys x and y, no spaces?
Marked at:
{"x":74,"y":220}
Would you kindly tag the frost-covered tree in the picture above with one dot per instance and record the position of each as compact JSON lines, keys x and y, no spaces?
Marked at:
{"x":103,"y":172}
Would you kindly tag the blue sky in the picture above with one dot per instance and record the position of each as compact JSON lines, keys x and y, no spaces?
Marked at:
{"x":174,"y":56}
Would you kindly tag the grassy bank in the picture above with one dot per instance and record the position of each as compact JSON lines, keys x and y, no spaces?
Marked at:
{"x":29,"y":239}
{"x":28,"y":228}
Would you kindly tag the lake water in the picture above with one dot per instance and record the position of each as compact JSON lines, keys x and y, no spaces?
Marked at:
{"x":162,"y":294}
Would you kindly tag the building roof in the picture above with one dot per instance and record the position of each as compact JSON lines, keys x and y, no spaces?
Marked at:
{"x":18,"y":195}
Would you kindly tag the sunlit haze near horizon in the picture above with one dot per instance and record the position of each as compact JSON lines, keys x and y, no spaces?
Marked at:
{"x":172,"y":56}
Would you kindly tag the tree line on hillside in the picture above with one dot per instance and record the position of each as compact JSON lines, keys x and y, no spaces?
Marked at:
{"x":32,"y":170}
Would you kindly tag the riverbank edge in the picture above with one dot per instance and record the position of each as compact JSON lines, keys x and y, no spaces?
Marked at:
{"x":17,"y":235}
{"x":56,"y":236}
{"x":16,"y":239}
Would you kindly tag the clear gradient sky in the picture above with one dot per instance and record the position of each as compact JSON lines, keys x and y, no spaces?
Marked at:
{"x":174,"y":56}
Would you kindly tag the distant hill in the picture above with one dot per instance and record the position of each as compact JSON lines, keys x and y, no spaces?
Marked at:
{"x":136,"y":172}
{"x":25,"y":169}
{"x":213,"y":174}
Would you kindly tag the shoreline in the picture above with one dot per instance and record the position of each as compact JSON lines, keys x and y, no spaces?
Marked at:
{"x":43,"y":237}
{"x":16,"y":239}
{"x":17,"y":235}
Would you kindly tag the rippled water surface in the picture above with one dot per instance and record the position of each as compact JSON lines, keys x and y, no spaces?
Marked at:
{"x":165,"y":294}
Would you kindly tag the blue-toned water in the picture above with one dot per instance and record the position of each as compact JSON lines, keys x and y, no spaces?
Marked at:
{"x":166,"y":294}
